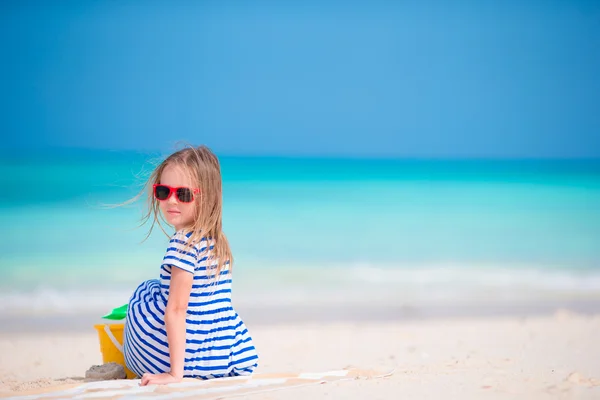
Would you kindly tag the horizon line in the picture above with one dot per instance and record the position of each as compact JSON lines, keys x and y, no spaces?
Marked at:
{"x":306,"y":155}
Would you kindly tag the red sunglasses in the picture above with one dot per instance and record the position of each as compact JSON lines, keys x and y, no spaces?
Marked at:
{"x":184,"y":194}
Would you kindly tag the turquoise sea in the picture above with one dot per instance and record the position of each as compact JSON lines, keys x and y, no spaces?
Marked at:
{"x":310,"y":231}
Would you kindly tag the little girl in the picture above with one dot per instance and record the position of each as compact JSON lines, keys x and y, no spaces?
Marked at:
{"x":183,"y":324}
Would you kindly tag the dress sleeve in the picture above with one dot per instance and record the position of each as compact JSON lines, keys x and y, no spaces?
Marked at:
{"x":180,"y":254}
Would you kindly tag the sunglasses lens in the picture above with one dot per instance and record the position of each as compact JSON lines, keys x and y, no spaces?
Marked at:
{"x":161,"y":192}
{"x":185,"y":195}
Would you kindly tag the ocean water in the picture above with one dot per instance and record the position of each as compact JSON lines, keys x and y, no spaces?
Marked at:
{"x":309,"y":231}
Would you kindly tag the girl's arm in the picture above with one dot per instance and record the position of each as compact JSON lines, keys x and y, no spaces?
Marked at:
{"x":175,"y":313}
{"x":179,"y":296}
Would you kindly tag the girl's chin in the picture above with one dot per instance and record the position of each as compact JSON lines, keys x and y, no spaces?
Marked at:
{"x":174,"y":220}
{"x":177,"y":222}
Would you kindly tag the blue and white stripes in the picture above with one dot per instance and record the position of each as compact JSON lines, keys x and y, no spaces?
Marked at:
{"x":217,"y":341}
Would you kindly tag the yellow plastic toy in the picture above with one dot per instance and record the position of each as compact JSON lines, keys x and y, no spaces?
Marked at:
{"x":111,"y":345}
{"x":111,"y":339}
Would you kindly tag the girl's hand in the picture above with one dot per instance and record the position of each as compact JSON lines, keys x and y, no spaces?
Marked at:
{"x":159,"y":379}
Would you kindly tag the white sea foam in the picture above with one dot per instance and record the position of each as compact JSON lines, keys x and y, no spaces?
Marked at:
{"x":340,"y":285}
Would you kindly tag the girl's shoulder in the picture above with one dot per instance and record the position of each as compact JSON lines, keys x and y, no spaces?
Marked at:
{"x":184,"y":238}
{"x":181,"y":252}
{"x":182,"y":234}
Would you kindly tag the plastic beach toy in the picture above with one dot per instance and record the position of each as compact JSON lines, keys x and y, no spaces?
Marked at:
{"x":117,"y":313}
{"x":110,"y":336}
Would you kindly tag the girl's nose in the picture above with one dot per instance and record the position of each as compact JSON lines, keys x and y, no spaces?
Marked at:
{"x":173,"y":198}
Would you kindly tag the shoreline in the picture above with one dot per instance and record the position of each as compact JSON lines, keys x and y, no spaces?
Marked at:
{"x":299,"y":315}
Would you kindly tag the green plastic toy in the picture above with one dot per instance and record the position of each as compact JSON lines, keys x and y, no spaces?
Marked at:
{"x":117,"y":313}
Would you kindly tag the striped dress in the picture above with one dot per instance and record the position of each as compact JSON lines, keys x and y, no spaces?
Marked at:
{"x":217,"y":341}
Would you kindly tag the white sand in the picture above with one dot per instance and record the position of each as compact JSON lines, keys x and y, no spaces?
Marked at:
{"x":549,"y":357}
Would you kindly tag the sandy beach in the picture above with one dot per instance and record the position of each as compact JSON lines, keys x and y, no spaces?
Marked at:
{"x":550,"y":356}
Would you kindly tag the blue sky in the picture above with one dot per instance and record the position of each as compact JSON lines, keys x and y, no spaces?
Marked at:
{"x":416,"y":79}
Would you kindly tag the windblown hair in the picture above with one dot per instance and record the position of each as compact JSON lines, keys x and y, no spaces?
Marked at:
{"x":205,"y":173}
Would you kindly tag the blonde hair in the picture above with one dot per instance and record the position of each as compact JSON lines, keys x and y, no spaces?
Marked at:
{"x":204,"y":171}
